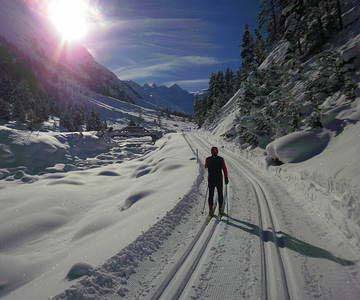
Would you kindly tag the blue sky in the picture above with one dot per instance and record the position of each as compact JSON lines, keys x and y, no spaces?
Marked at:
{"x":171,"y":41}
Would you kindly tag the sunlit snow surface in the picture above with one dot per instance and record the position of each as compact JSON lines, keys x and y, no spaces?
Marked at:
{"x":85,"y":216}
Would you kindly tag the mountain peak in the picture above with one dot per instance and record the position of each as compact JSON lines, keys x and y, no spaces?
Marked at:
{"x":175,"y":86}
{"x":150,"y":85}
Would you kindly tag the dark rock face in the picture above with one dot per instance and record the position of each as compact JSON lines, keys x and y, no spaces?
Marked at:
{"x":78,"y":270}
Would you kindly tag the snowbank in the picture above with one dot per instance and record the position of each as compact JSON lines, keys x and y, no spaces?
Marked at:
{"x":298,"y":146}
{"x":331,"y":181}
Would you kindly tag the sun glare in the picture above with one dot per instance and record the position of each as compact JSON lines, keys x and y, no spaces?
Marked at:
{"x":70,"y":17}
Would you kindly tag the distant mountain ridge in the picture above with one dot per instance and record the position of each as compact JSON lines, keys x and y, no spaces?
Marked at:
{"x":173,"y":98}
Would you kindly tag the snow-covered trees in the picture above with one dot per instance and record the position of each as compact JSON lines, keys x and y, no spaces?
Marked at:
{"x":298,"y":82}
{"x":259,"y":48}
{"x":247,"y":52}
{"x":94,"y":123}
{"x":307,"y":25}
{"x":22,"y":99}
{"x":5,"y":110}
{"x":221,"y":88}
{"x":270,"y":18}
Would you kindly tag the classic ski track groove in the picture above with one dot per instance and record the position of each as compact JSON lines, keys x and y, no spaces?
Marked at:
{"x":165,"y":283}
{"x":260,"y":193}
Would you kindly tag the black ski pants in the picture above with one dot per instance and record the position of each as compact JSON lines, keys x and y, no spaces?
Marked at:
{"x":219,"y":188}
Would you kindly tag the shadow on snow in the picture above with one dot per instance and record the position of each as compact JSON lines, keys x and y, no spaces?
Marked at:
{"x":284,"y":240}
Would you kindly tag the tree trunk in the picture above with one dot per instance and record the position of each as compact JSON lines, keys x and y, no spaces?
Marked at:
{"x":273,"y":12}
{"x":339,"y":13}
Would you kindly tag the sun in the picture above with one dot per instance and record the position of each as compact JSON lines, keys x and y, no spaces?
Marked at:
{"x":70,"y":17}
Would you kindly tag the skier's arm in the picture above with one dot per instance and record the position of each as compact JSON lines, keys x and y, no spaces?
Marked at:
{"x":206,"y":163}
{"x":224,"y":168}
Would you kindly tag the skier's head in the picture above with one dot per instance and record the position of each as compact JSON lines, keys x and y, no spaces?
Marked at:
{"x":214,"y":151}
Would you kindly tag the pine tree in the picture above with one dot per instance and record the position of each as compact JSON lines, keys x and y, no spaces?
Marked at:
{"x":295,"y":25}
{"x":229,"y":83}
{"x":339,"y":14}
{"x":22,"y":101}
{"x":66,"y":121}
{"x":260,"y":50}
{"x":78,"y":117}
{"x":247,"y":51}
{"x":93,"y":122}
{"x":238,"y":79}
{"x":212,"y":91}
{"x":269,"y":19}
{"x":5,"y":110}
{"x":219,"y":84}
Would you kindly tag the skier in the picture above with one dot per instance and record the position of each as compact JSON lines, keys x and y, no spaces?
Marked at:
{"x":216,"y":165}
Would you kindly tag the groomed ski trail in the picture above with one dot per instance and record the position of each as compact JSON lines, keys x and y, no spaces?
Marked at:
{"x":271,"y":261}
{"x":287,"y":267}
{"x":175,"y":282}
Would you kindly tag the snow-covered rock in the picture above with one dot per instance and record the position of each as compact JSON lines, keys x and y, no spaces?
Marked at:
{"x":351,"y":50}
{"x":37,"y":151}
{"x":78,"y":270}
{"x":277,"y":56}
{"x":352,"y":114}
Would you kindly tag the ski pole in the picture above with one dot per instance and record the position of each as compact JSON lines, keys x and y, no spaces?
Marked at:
{"x":227,"y":201}
{"x":205,"y":200}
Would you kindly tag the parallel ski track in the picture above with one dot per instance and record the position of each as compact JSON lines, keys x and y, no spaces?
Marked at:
{"x":165,"y":283}
{"x":262,"y":204}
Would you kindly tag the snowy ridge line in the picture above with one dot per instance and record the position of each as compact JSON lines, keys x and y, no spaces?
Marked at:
{"x":165,"y":284}
{"x":109,"y":280}
{"x":264,"y":209}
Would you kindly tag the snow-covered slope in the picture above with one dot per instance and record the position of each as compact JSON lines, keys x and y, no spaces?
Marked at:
{"x":173,"y":98}
{"x":85,"y":216}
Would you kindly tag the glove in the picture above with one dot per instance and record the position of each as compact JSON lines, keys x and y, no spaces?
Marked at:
{"x":226,"y":180}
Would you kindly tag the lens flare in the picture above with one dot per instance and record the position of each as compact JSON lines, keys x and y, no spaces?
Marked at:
{"x":70,"y":17}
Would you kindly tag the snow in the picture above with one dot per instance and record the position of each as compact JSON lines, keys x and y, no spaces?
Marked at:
{"x":336,"y":172}
{"x":19,"y":148}
{"x":352,"y":113}
{"x":173,"y":98}
{"x":276,"y":57}
{"x":351,"y":50}
{"x":85,"y":216}
{"x":228,"y":116}
{"x":298,"y":146}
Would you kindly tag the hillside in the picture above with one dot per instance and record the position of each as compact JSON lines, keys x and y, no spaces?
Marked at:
{"x":298,"y":117}
{"x":61,"y":68}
